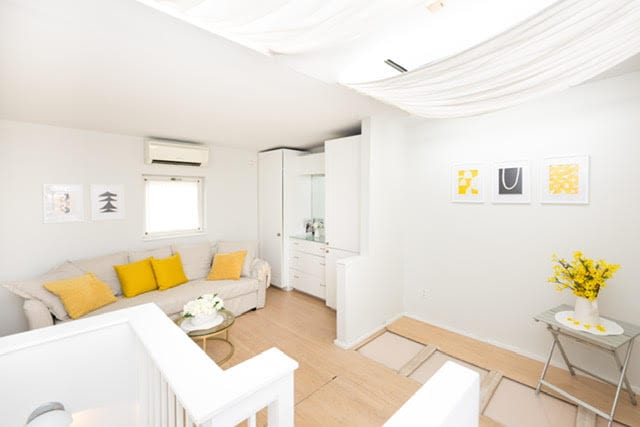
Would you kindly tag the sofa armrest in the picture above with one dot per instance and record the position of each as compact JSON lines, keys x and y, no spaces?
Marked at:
{"x":261,"y":270}
{"x":38,"y":315}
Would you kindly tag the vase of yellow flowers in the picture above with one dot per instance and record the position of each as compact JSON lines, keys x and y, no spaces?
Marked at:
{"x":585,"y":277}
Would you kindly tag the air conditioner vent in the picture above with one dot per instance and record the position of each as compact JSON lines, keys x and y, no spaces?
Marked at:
{"x":176,"y":153}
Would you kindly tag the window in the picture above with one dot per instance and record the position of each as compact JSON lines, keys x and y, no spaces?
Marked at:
{"x":174,"y":205}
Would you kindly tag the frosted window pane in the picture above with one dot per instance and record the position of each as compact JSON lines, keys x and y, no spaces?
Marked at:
{"x":172,"y":206}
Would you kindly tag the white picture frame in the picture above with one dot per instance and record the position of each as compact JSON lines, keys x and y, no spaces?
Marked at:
{"x":107,"y":202}
{"x":511,"y":182}
{"x":467,"y":183}
{"x":62,"y":203}
{"x":565,"y":180}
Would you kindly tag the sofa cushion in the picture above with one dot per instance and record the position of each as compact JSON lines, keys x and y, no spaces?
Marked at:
{"x":251,"y":246}
{"x":162,"y":252}
{"x":102,"y":267}
{"x":34,"y":288}
{"x":81,"y":295}
{"x":172,"y":300}
{"x":136,"y":277}
{"x":196,"y":259}
{"x":168,"y":272}
{"x":227,"y":266}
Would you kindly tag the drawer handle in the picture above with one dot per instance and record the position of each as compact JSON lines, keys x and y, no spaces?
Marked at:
{"x":296,"y":257}
{"x":296,"y":277}
{"x":322,"y":263}
{"x":323,"y":285}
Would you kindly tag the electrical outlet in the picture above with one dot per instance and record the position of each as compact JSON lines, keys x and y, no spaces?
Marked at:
{"x":424,"y":293}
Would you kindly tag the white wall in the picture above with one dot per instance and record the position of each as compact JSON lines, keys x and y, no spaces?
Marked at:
{"x":485,"y":266}
{"x":32,"y":155}
{"x":370,"y":287}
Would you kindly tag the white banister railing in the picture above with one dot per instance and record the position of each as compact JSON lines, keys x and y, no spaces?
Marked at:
{"x":451,"y":398}
{"x":158,"y":374}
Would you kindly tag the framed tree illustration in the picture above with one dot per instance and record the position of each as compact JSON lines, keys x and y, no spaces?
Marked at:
{"x":107,"y":202}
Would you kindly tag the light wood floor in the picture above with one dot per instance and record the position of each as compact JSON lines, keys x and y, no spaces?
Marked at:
{"x":341,"y":387}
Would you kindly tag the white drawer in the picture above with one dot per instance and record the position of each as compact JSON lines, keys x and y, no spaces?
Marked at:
{"x":307,"y":283}
{"x":307,"y":263}
{"x":306,"y":246}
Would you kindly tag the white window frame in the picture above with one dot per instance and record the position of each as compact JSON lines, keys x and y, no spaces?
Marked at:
{"x":175,"y":233}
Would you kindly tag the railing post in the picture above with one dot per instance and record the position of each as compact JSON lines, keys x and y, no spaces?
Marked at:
{"x":281,"y":410}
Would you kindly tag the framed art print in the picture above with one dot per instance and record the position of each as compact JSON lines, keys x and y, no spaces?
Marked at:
{"x":565,"y":180}
{"x":62,"y":203}
{"x":107,"y":202}
{"x":511,"y":182}
{"x":467,"y":183}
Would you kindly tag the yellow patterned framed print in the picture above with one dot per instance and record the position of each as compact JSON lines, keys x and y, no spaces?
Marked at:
{"x":467,"y":183}
{"x":565,"y":180}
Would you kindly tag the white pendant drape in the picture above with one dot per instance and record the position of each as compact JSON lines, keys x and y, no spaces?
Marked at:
{"x":286,"y":26}
{"x":562,"y":46}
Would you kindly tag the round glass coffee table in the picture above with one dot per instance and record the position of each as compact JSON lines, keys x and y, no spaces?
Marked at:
{"x":220,"y":332}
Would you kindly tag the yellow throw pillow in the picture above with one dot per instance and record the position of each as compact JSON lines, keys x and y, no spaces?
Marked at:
{"x":227,"y":266}
{"x":136,"y":278}
{"x":81,"y":295}
{"x":168,"y":272}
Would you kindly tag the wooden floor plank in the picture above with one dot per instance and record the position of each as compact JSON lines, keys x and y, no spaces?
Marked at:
{"x":585,"y":418}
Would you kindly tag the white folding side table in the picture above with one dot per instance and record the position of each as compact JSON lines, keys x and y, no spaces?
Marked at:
{"x":607,"y":343}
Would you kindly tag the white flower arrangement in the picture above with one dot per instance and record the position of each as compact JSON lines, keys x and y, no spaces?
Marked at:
{"x":203,"y":305}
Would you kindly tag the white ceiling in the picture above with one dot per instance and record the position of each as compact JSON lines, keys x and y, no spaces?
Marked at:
{"x":119,"y":66}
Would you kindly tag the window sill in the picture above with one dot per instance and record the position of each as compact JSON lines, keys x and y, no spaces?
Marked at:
{"x":173,"y":236}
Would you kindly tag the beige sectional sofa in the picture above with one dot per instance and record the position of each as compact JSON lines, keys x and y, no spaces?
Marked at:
{"x":42,"y":308}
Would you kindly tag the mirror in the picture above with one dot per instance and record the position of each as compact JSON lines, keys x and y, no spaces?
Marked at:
{"x":317,"y":196}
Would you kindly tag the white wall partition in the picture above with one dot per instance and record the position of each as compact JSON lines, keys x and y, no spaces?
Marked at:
{"x":369,"y":287}
{"x":483,"y":267}
{"x":136,"y":367}
{"x":32,"y":155}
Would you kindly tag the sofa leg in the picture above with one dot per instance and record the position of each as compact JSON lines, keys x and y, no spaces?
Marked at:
{"x":254,"y":309}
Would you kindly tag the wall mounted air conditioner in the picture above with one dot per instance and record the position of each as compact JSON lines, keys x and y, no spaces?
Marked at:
{"x":157,"y":151}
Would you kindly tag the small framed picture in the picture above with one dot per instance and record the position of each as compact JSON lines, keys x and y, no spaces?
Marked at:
{"x":511,"y":182}
{"x":62,"y":203}
{"x":565,"y":180}
{"x":107,"y":202}
{"x":467,"y":183}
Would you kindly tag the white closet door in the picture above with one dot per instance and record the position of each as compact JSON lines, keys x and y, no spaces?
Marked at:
{"x":270,"y":211}
{"x":342,"y":193}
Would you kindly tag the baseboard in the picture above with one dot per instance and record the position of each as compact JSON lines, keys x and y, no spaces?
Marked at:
{"x":502,"y":345}
{"x":365,"y":336}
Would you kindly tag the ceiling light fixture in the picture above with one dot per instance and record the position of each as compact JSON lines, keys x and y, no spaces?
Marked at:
{"x":395,"y":65}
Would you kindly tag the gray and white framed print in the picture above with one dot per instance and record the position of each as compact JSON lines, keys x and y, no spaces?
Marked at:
{"x":511,"y":182}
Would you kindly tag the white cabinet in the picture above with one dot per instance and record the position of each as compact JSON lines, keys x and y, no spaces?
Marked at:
{"x":307,"y":267}
{"x":342,"y":193}
{"x":281,"y":208}
{"x":331,"y":259}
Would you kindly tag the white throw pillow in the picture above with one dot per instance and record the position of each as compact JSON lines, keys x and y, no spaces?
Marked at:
{"x":196,"y":259}
{"x":251,"y":246}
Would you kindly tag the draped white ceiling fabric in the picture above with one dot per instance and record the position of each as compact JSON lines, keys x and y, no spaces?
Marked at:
{"x":287,"y":26}
{"x":564,"y":45}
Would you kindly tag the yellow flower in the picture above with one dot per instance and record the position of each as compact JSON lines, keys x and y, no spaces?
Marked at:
{"x":601,"y":328}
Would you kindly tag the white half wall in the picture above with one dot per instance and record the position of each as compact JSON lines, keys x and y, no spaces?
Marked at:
{"x":32,"y":155}
{"x":370,"y":287}
{"x":484,"y":266}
